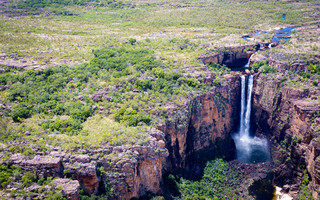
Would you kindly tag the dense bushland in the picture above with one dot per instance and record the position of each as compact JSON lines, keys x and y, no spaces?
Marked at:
{"x":127,"y":84}
{"x":219,"y":181}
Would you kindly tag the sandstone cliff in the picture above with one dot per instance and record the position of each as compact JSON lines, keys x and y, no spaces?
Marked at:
{"x":202,"y":127}
{"x":290,"y":114}
{"x":130,"y":171}
{"x":196,"y":131}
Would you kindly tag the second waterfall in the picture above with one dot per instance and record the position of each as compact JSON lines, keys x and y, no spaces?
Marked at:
{"x":250,"y":149}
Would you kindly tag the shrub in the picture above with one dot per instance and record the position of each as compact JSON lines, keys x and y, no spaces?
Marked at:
{"x":315,"y":83}
{"x":7,"y":173}
{"x":216,"y":82}
{"x":144,"y":84}
{"x":268,"y":69}
{"x":132,"y":41}
{"x":305,"y":193}
{"x":131,"y":116}
{"x":20,"y":111}
{"x":64,"y":125}
{"x":219,"y":181}
{"x":27,"y":179}
{"x":158,"y":72}
{"x":256,"y":66}
{"x":172,"y":75}
{"x":192,"y":82}
{"x":314,"y":68}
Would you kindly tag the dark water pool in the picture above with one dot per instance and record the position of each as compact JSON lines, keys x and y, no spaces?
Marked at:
{"x":263,"y":189}
{"x":253,"y":151}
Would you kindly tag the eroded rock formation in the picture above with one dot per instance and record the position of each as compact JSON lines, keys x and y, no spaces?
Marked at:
{"x":290,"y":114}
{"x":202,"y":127}
{"x":232,"y":57}
{"x":70,"y":188}
{"x":130,"y":171}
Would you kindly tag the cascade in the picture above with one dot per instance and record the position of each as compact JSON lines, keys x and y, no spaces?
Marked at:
{"x":249,"y":149}
{"x":248,"y":63}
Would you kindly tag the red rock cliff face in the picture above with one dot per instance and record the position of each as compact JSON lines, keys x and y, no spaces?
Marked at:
{"x":291,"y":116}
{"x":200,"y":127}
{"x":134,"y":171}
{"x":202,"y":124}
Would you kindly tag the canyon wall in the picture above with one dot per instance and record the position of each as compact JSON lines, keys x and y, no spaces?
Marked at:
{"x":202,"y":128}
{"x":290,"y":116}
{"x":130,"y":171}
{"x":196,"y":131}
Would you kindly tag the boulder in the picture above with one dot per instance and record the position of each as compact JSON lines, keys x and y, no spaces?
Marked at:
{"x":86,"y":174}
{"x":44,"y":166}
{"x":70,"y":188}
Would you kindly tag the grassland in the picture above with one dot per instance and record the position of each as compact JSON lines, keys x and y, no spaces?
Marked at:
{"x":109,"y":70}
{"x":53,"y":36}
{"x":175,"y":32}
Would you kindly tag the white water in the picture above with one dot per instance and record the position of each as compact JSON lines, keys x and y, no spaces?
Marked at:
{"x":249,"y":149}
{"x":248,"y":63}
{"x":281,"y":195}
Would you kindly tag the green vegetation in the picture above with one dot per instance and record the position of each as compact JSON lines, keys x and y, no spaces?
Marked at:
{"x":10,"y":174}
{"x":219,"y":181}
{"x":37,"y":4}
{"x":7,"y":174}
{"x":128,"y":83}
{"x":110,"y":69}
{"x":265,"y":68}
{"x":177,"y":31}
{"x":305,"y":193}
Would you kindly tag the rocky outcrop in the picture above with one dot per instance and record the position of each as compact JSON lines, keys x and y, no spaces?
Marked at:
{"x":86,"y":174}
{"x":232,"y":57}
{"x":134,"y":171}
{"x":289,"y":114}
{"x":202,"y":126}
{"x":101,"y":95}
{"x":281,"y":61}
{"x":130,"y":171}
{"x":195,"y":131}
{"x":45,"y":166}
{"x":69,"y":187}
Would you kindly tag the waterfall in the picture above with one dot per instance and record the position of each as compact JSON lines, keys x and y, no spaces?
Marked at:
{"x":245,"y":109}
{"x":243,"y":100}
{"x":249,"y":149}
{"x":248,"y":112}
{"x":248,"y":63}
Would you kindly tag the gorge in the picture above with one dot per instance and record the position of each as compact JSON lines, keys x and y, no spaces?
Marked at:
{"x":159,"y":100}
{"x":242,"y":118}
